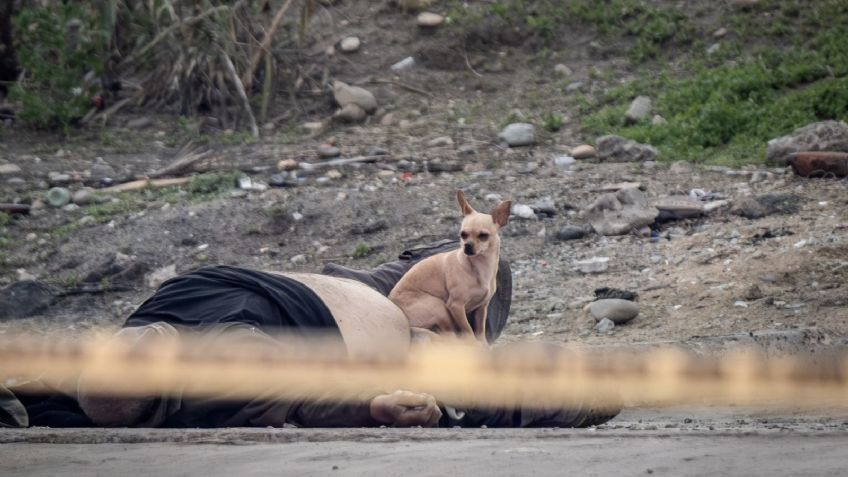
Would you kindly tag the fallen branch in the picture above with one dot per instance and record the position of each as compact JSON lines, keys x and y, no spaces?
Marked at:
{"x":180,"y":166}
{"x":142,"y":183}
{"x":241,"y":92}
{"x":15,"y":208}
{"x":345,"y":161}
{"x":402,"y":85}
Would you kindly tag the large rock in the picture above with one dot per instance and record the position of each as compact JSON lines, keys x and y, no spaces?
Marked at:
{"x":346,"y":94}
{"x":619,"y":149}
{"x":822,"y":136}
{"x":518,"y":134}
{"x":638,"y":110}
{"x":614,"y":309}
{"x":620,"y":213}
{"x":676,"y":208}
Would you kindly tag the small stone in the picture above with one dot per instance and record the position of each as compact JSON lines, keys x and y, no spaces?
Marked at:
{"x":681,"y":167}
{"x":298,"y":259}
{"x":441,"y":141}
{"x":518,"y":134}
{"x":351,"y":113}
{"x":377,"y":151}
{"x":9,"y":169}
{"x":584,"y":151}
{"x":160,"y":275}
{"x":523,"y":211}
{"x":617,"y":148}
{"x":658,"y":120}
{"x":760,"y":176}
{"x":139,"y":123}
{"x":37,"y":204}
{"x":56,"y":178}
{"x":84,"y":196}
{"x":313,"y":128}
{"x":327,"y":151}
{"x":575,"y":86}
{"x":403,"y":64}
{"x":87,"y":220}
{"x":592,"y":265}
{"x":720,"y":32}
{"x":345,"y":94}
{"x":562,"y":70}
{"x":564,"y":162}
{"x":31,"y":237}
{"x":350,"y":44}
{"x":753,"y":293}
{"x":24,"y":276}
{"x":333,"y":174}
{"x":58,"y":196}
{"x":388,"y":119}
{"x":287,"y":165}
{"x":429,"y":20}
{"x":638,"y":110}
{"x":740,"y":304}
{"x":713,"y":49}
{"x":466,"y":150}
{"x":605,"y":326}
{"x":570,"y":232}
{"x":615,"y":309}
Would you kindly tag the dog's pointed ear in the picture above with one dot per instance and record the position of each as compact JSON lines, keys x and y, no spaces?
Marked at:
{"x":463,"y":204}
{"x":500,"y":214}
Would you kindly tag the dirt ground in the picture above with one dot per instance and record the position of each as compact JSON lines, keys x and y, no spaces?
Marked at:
{"x":672,"y":441}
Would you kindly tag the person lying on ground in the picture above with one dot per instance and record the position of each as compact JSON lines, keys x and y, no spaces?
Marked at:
{"x":223,"y":304}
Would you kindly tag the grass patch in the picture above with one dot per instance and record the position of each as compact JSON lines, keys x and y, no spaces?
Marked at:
{"x":361,"y":250}
{"x":726,"y":113}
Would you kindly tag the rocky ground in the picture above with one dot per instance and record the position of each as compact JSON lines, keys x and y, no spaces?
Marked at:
{"x":769,"y":253}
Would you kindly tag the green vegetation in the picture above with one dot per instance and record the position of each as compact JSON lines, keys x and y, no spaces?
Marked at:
{"x":552,"y":122}
{"x":728,"y":110}
{"x":361,"y":250}
{"x":652,"y":27}
{"x":58,"y":48}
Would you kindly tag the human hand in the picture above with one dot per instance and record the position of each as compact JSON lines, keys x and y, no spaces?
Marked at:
{"x":406,"y":409}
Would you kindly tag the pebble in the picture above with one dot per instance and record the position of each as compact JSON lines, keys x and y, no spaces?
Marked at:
{"x":570,"y":232}
{"x":572,"y":87}
{"x":327,"y":151}
{"x":740,"y":304}
{"x":58,"y":196}
{"x":584,"y":151}
{"x":713,"y":49}
{"x":333,"y":174}
{"x":564,"y":162}
{"x":160,"y":275}
{"x":658,"y":120}
{"x":298,"y":259}
{"x":351,"y":113}
{"x":592,"y":265}
{"x":350,"y":44}
{"x":25,"y":276}
{"x":605,"y":326}
{"x":720,"y":32}
{"x":31,"y":237}
{"x":466,"y":150}
{"x":287,"y":165}
{"x":518,"y":134}
{"x":345,"y":94}
{"x":523,"y":211}
{"x":680,"y":167}
{"x":638,"y":110}
{"x":562,"y":70}
{"x":313,"y":128}
{"x":403,"y":64}
{"x":9,"y":169}
{"x":87,"y":220}
{"x":615,"y":309}
{"x":57,"y":178}
{"x":429,"y":19}
{"x":84,"y":196}
{"x":440,"y":141}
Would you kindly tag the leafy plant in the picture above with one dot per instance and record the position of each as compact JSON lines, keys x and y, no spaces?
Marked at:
{"x":58,"y":49}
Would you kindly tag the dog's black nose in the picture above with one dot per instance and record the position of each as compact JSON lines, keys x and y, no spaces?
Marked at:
{"x":469,"y":249}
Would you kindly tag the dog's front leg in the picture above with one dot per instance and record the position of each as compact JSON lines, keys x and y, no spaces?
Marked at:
{"x":480,"y":321}
{"x":456,"y":309}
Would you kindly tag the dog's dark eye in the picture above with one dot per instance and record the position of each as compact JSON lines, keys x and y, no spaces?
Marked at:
{"x":483,"y":237}
{"x":464,"y":235}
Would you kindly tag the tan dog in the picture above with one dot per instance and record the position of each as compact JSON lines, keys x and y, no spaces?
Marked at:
{"x":438,"y":291}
